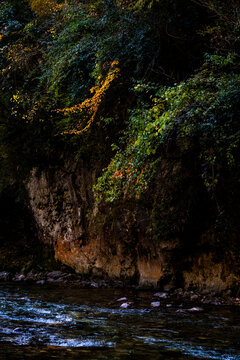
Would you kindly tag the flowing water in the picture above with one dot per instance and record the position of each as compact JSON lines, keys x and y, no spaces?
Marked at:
{"x":62,"y":323}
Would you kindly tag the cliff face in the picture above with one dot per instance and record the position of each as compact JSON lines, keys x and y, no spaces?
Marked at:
{"x":121,"y":242}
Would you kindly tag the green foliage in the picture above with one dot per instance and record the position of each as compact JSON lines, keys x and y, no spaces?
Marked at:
{"x":178,"y":88}
{"x":85,"y":40}
{"x":202,"y":111}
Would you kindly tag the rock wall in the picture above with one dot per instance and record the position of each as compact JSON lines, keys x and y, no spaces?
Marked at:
{"x":118,"y":242}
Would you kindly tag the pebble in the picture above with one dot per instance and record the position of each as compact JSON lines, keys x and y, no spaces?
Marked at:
{"x":155,"y":304}
{"x":122,"y":299}
{"x":94,"y":285}
{"x":19,"y":277}
{"x":40,"y":282}
{"x":216,"y":302}
{"x":195,"y":309}
{"x":54,"y":274}
{"x":5,"y":276}
{"x":179,"y":292}
{"x":206,"y":301}
{"x":51,"y":280}
{"x":161,"y":295}
{"x":125,"y":305}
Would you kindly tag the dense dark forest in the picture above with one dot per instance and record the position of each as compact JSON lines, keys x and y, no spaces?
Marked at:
{"x":123,"y":80}
{"x":146,"y":92}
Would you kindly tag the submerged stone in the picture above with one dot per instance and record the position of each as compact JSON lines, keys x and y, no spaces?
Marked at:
{"x":125,"y":305}
{"x":161,"y":295}
{"x":155,"y":304}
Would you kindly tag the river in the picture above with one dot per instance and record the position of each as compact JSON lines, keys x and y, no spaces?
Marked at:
{"x":43,"y":322}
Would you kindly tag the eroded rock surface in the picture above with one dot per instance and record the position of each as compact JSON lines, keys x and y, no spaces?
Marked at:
{"x":115,"y":242}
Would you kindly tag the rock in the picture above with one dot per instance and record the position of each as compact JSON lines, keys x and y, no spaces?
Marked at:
{"x":169,"y":305}
{"x":54,"y":274}
{"x":216,"y":302}
{"x":94,"y":285}
{"x":19,"y":277}
{"x":32,"y":276}
{"x":5,"y":276}
{"x":206,"y":301}
{"x":40,"y":282}
{"x":161,"y":295}
{"x":125,"y":305}
{"x":195,"y":309}
{"x":186,"y":294}
{"x":122,"y":299}
{"x":103,"y":284}
{"x":155,"y":304}
{"x":69,"y":222}
{"x":194,"y":297}
{"x":178,"y":292}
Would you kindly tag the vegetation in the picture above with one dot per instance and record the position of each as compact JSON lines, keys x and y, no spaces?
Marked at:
{"x":139,"y":79}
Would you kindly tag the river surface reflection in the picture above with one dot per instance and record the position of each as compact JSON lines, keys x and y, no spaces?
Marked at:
{"x":63,"y":323}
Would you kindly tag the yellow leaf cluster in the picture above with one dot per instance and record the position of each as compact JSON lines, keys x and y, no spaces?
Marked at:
{"x":90,"y":106}
{"x":52,"y":31}
{"x":44,"y":7}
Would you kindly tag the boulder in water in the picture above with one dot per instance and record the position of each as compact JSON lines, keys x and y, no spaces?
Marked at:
{"x":125,"y":305}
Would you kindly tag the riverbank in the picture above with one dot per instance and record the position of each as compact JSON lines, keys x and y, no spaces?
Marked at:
{"x":155,"y":298}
